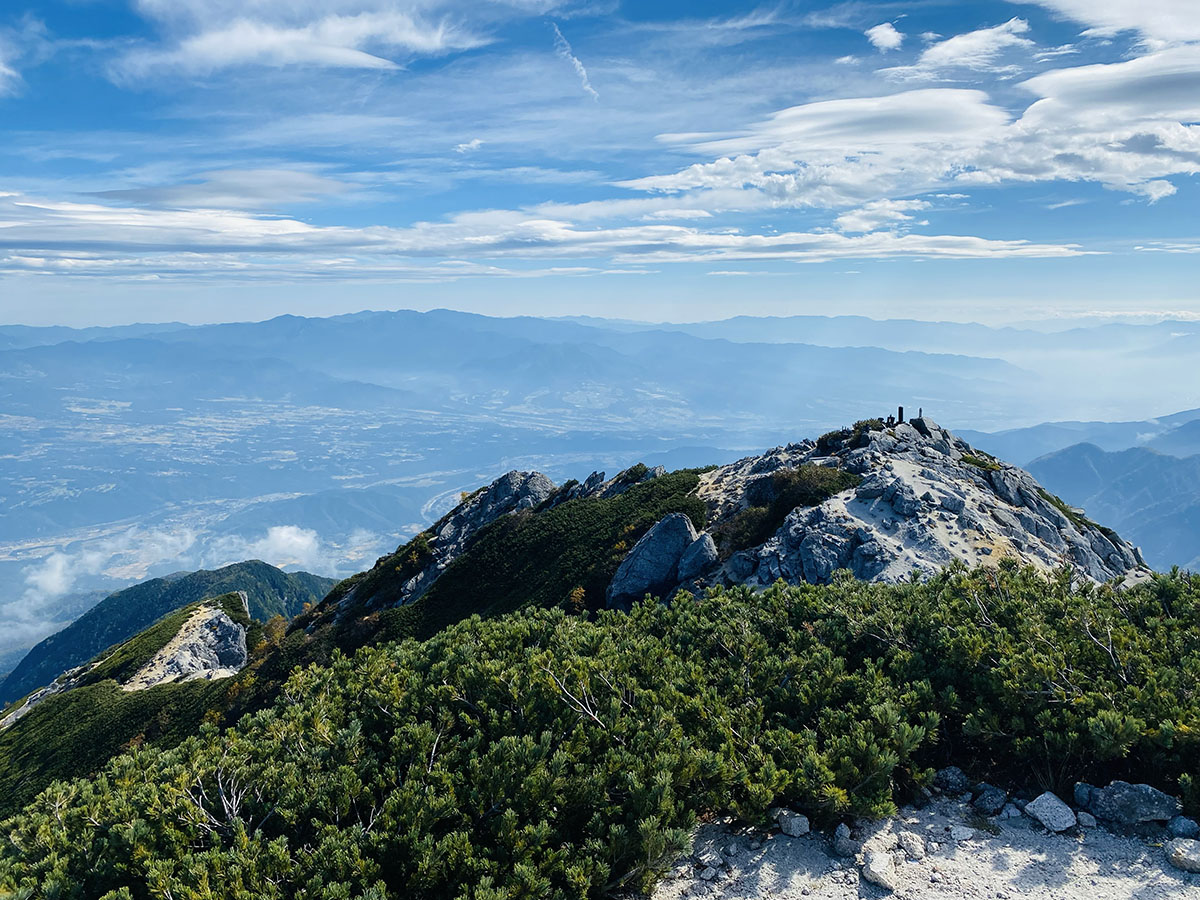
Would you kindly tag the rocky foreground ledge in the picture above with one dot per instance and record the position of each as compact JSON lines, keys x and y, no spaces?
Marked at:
{"x":967,"y":841}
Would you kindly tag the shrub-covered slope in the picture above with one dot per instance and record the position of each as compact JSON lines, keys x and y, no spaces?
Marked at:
{"x":76,"y":731}
{"x":540,"y":754}
{"x":560,"y":554}
{"x":122,"y":615}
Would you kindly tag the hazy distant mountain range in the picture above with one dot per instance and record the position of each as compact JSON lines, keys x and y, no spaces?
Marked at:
{"x":1175,"y":435}
{"x":318,"y":444}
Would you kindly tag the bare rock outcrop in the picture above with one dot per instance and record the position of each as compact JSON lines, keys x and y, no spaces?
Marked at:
{"x":927,"y":498}
{"x":209,"y":646}
{"x":652,"y":566}
{"x":509,"y":493}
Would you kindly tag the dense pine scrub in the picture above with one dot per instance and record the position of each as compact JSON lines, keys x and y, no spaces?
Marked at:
{"x":542,"y":754}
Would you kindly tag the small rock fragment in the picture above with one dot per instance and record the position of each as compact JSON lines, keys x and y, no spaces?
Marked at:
{"x":708,"y":873}
{"x":991,"y":800}
{"x":1055,"y":815}
{"x":1083,"y":794}
{"x":792,"y":824}
{"x":912,"y":844}
{"x":1010,"y":811}
{"x":1086,"y":819}
{"x":952,"y":780}
{"x":879,"y":868}
{"x":961,"y":833}
{"x":1184,"y":853}
{"x":843,"y":844}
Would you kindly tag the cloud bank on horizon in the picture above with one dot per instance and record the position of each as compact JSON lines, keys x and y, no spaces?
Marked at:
{"x":424,"y":142}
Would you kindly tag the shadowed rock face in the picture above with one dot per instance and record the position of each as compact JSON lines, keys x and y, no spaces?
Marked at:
{"x":652,"y":566}
{"x":927,"y":498}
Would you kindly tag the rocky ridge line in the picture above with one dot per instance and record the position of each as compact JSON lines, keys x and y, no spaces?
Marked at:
{"x":926,"y":499}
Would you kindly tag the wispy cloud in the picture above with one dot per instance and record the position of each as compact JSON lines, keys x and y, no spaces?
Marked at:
{"x":129,"y":554}
{"x":235,"y":189}
{"x":980,"y":50}
{"x":9,"y":79}
{"x":563,"y":48}
{"x":362,"y":40}
{"x":879,"y":214}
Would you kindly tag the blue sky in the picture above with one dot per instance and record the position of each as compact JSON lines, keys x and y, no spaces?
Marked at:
{"x":234,"y":159}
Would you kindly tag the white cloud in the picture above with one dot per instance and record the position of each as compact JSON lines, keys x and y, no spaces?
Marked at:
{"x":127,"y":555}
{"x":1125,"y":125}
{"x":282,"y":545}
{"x":1159,"y":21}
{"x":879,"y":214}
{"x":469,"y":147}
{"x":809,"y":247}
{"x":1128,"y":126}
{"x":296,"y":547}
{"x":979,"y":50}
{"x":843,"y":153}
{"x":563,"y":49}
{"x":885,"y":37}
{"x":206,"y":37}
{"x":334,"y":41}
{"x":17,"y":44}
{"x":9,"y":79}
{"x":860,"y":124}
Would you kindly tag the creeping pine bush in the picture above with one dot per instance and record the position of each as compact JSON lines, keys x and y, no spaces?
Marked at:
{"x":542,"y":754}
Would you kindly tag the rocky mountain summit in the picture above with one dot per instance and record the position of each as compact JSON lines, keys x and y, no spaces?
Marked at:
{"x":882,"y":500}
{"x":925,"y":499}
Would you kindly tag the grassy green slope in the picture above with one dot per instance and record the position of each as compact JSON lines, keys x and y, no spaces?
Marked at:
{"x":120,"y":616}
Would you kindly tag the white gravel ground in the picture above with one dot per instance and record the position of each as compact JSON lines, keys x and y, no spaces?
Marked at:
{"x":1023,"y":860}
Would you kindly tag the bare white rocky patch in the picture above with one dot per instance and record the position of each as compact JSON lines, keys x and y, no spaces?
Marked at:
{"x":209,"y":646}
{"x":1021,"y":859}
